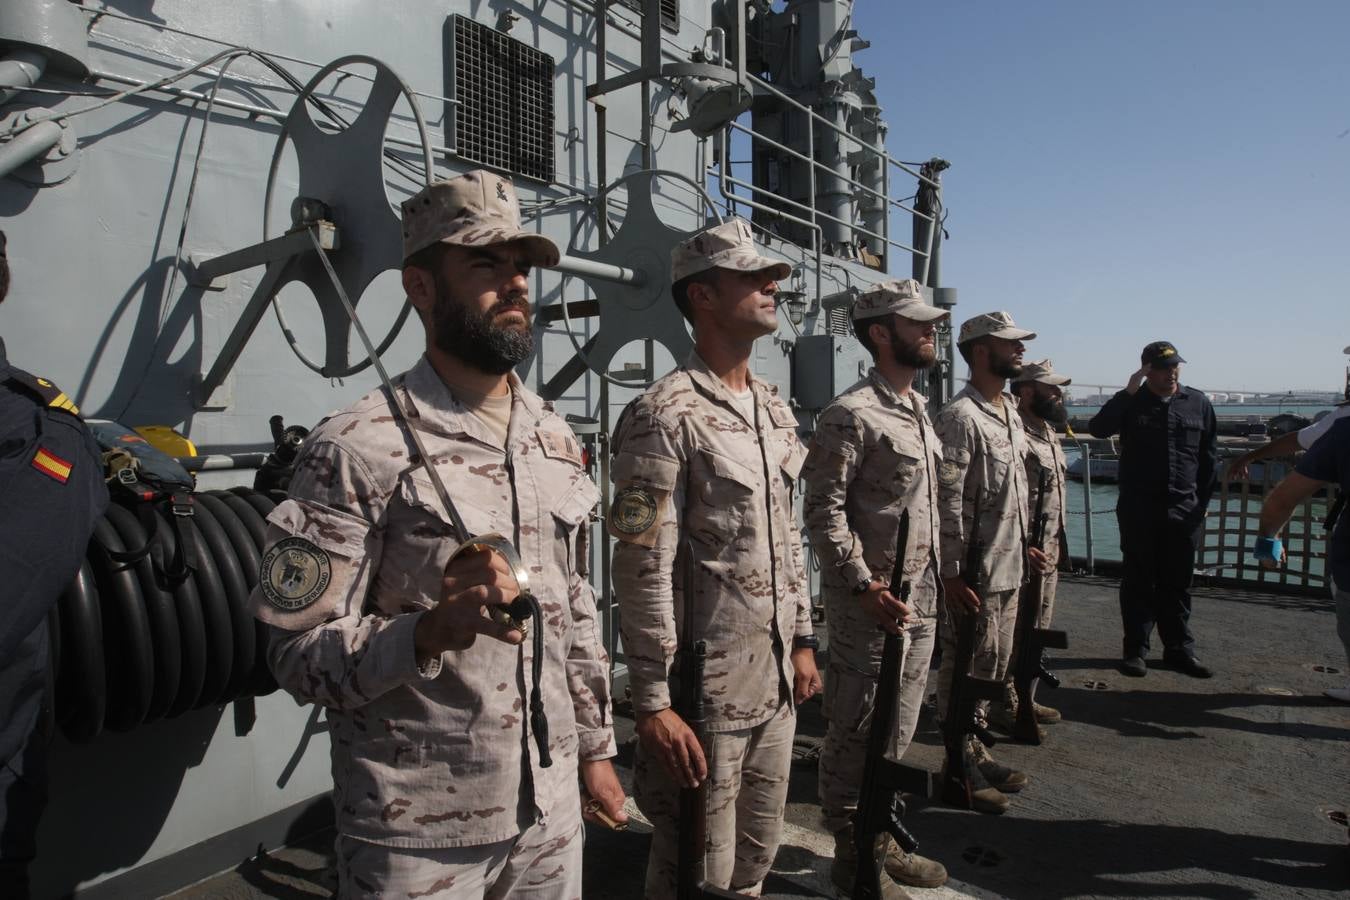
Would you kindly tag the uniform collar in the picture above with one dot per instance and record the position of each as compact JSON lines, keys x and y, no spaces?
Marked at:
{"x":1043,"y":431}
{"x":706,"y":380}
{"x":914,"y":403}
{"x":429,"y":401}
{"x":988,"y":408}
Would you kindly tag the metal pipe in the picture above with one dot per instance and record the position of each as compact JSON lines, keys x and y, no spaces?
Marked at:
{"x":809,"y":158}
{"x":881,"y":153}
{"x":20,"y":70}
{"x":28,"y":145}
{"x":572,"y":265}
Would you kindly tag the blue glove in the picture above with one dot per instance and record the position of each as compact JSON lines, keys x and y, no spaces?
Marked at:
{"x":1269,"y":549}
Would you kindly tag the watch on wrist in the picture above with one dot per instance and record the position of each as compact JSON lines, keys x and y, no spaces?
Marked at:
{"x":863,"y":585}
{"x":806,"y":642}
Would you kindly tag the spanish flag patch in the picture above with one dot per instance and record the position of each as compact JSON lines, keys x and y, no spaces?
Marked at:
{"x":51,"y":465}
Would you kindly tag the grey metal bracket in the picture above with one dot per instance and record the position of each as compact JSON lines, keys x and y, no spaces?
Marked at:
{"x":277,"y":254}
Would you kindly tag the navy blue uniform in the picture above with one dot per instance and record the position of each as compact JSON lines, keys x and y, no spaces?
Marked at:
{"x":1168,"y":472}
{"x":51,"y":494}
{"x":1329,"y":460}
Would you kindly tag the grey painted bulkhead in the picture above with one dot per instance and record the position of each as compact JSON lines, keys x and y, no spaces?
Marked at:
{"x":96,"y":308}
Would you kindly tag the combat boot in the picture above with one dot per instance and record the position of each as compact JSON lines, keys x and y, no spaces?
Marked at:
{"x":1007,"y":780}
{"x":984,"y":797}
{"x":913,"y":869}
{"x":844,"y":868}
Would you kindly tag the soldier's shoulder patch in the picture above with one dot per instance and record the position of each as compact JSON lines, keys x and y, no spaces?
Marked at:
{"x":633,"y":511}
{"x":949,"y":473}
{"x":294,"y":574}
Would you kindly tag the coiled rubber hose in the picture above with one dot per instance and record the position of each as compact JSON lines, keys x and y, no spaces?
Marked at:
{"x":131,"y":646}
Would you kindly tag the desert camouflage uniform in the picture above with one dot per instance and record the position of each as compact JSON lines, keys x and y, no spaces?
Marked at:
{"x":690,"y":467}
{"x":984,"y":448}
{"x":440,"y":756}
{"x":873,"y":455}
{"x":1046,"y":454}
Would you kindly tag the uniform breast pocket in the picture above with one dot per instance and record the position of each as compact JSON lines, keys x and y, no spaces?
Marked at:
{"x":720,"y":498}
{"x":1190,"y":429}
{"x":419,"y":539}
{"x":571,"y":513}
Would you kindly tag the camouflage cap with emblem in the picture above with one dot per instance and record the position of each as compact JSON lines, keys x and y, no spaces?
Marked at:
{"x":903,"y":297}
{"x":1160,"y":355}
{"x":993,"y":324}
{"x":729,"y":245}
{"x":1043,"y":371}
{"x":476,"y":209}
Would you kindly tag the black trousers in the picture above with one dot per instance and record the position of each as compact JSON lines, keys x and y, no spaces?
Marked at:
{"x":1155,"y":587}
{"x":23,"y":796}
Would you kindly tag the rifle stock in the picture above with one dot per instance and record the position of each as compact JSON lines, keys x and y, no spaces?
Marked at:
{"x":967,"y":690}
{"x":1030,"y":641}
{"x":879,"y":805}
{"x":691,"y":661}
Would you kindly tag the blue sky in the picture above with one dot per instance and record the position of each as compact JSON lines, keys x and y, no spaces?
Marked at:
{"x":1127,"y":172}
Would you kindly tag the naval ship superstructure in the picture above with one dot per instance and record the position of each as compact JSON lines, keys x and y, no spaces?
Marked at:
{"x":190,"y":190}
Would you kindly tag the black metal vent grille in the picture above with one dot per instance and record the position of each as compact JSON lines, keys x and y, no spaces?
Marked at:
{"x":504,"y":117}
{"x":670,"y":12}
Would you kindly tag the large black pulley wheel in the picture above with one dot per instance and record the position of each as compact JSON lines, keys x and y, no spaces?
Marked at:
{"x":231,"y":572}
{"x":128,"y":649}
{"x":160,"y":613}
{"x":81,"y":682}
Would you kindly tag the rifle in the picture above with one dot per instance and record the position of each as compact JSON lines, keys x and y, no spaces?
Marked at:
{"x":967,"y":690}
{"x":1029,"y":640}
{"x":879,"y":805}
{"x":691,"y":660}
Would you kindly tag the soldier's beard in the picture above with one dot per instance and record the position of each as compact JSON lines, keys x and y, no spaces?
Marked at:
{"x":1050,"y":409}
{"x":473,"y":338}
{"x":914,"y":356}
{"x":1005,"y":367}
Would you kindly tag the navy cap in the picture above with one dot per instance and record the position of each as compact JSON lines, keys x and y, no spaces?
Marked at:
{"x":1160,"y":354}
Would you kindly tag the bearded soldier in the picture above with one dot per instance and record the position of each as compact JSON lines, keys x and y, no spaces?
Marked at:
{"x":874,"y":455}
{"x":983,"y":450}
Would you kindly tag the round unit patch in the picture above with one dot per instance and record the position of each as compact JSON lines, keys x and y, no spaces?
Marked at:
{"x":949,"y":473}
{"x":294,"y":574}
{"x":633,"y":510}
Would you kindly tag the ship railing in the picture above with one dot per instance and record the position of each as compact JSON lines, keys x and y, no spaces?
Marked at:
{"x":1230,"y":529}
{"x":807,"y":214}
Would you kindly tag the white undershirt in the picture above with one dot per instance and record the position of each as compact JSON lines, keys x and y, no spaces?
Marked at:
{"x":746,"y":404}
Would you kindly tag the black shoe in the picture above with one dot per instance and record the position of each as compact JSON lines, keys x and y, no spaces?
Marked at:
{"x":1188,"y":665}
{"x":1134,"y":666}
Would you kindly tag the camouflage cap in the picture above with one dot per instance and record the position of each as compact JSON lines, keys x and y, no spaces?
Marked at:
{"x":476,"y":209}
{"x":995,"y":324}
{"x":1161,"y":354}
{"x":726,"y":246}
{"x":1042,"y":370}
{"x":903,"y":297}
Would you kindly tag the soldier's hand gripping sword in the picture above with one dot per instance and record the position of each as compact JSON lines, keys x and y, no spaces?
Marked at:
{"x":880,"y":808}
{"x":1030,"y":640}
{"x":525,"y":606}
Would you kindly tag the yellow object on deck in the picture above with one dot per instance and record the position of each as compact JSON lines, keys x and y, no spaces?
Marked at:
{"x":166,"y":439}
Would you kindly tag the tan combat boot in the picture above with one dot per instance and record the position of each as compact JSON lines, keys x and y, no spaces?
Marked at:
{"x":913,"y":869}
{"x":845,"y":867}
{"x":1007,"y":780}
{"x":983,"y":797}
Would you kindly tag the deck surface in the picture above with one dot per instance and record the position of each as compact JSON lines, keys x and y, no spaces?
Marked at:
{"x":1231,"y":788}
